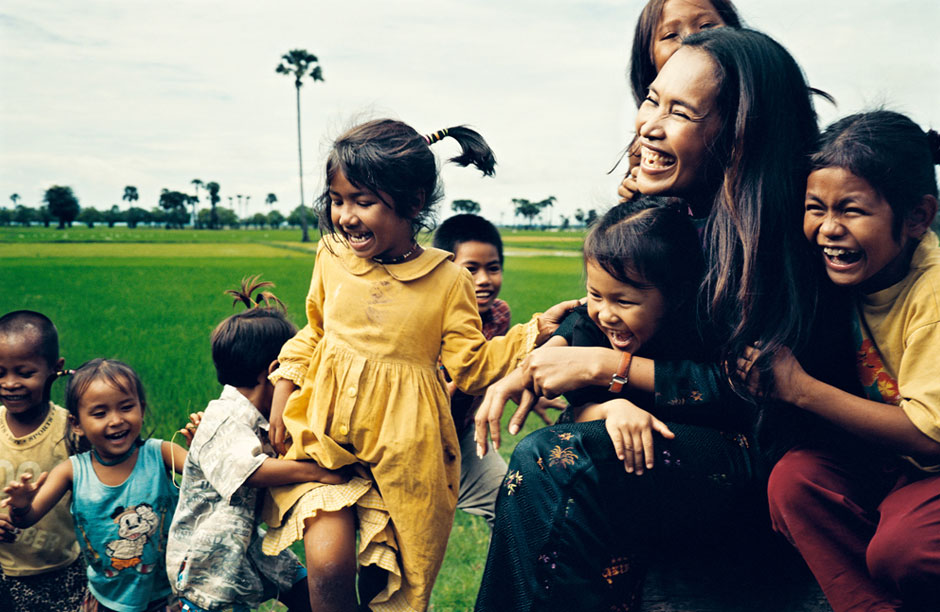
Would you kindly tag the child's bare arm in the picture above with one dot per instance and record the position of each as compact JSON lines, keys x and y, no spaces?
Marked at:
{"x":885,"y":424}
{"x":273,"y":472}
{"x":30,"y":501}
{"x":174,"y":456}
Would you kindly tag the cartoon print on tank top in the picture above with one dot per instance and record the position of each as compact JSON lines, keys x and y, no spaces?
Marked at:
{"x":880,"y":386}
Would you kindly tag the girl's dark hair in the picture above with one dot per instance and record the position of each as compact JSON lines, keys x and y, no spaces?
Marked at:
{"x":760,"y":282}
{"x":650,"y":243}
{"x":245,"y":344}
{"x":116,"y":373}
{"x":889,"y":151}
{"x":388,"y":156}
{"x":642,"y":64}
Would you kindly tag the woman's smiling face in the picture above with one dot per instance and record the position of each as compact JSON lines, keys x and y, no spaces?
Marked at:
{"x":677,"y":123}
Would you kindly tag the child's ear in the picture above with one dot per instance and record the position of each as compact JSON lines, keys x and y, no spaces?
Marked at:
{"x":921,"y":216}
{"x":75,"y":426}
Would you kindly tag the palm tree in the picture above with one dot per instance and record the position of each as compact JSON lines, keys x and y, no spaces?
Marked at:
{"x":270,"y":200}
{"x":299,"y":63}
{"x":197,"y":183}
{"x":247,"y":203}
{"x":130,"y":194}
{"x":16,"y":198}
{"x":213,"y":188}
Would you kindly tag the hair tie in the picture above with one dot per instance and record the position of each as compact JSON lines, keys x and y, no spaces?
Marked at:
{"x":65,"y":373}
{"x":436,"y":136}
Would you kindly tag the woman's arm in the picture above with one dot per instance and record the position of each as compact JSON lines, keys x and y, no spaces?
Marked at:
{"x":174,"y":456}
{"x":490,"y":413}
{"x":551,"y":371}
{"x":28,"y":502}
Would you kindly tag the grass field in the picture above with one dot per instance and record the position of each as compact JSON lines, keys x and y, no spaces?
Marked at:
{"x":151,"y":297}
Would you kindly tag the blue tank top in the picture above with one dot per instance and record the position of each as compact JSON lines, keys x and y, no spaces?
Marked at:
{"x":122,"y":529}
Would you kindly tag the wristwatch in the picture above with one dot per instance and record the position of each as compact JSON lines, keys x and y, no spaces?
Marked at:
{"x":622,"y":375}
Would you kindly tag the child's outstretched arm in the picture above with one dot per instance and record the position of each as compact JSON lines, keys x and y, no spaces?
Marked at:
{"x":273,"y":472}
{"x":30,"y":501}
{"x":174,"y":456}
{"x":189,"y":430}
{"x":885,"y":424}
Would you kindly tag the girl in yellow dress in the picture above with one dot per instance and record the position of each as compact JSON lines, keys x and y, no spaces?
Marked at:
{"x":360,"y":385}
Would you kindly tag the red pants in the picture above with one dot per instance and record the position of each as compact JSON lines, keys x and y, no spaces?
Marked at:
{"x":869,"y":530}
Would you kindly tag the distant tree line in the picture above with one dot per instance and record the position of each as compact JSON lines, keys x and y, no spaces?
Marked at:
{"x":176,"y":209}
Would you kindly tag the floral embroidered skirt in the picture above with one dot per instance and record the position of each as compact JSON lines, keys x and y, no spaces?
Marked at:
{"x":574,"y":530}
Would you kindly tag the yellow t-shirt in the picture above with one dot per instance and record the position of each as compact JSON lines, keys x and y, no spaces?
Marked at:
{"x":49,"y":544}
{"x":900,"y":341}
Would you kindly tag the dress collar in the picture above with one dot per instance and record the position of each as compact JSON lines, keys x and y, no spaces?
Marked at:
{"x":416,"y":268}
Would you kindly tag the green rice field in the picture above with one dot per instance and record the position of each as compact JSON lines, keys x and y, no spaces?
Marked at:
{"x":151,"y":297}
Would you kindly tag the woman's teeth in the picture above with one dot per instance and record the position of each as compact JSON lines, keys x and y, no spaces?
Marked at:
{"x":654,"y":159}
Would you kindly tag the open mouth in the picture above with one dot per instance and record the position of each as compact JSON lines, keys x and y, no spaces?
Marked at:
{"x":358,"y":239}
{"x":841,"y":257}
{"x":656,"y":160}
{"x":14,"y":398}
{"x":117,"y":437}
{"x":620,"y":340}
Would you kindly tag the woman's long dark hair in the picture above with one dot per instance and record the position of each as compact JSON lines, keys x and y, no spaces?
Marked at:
{"x":642,"y":64}
{"x":761,"y":281}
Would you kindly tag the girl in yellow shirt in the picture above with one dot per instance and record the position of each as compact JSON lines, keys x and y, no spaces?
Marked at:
{"x":360,"y":384}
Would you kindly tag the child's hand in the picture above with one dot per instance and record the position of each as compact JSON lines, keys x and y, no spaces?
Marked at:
{"x":631,"y":430}
{"x":543,"y":405}
{"x":190,"y":430}
{"x":8,"y":531}
{"x":21,"y":492}
{"x":321,"y":474}
{"x":787,"y":373}
{"x":551,"y":319}
{"x":277,"y":432}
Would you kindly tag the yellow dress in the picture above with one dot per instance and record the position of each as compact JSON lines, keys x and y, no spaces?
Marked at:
{"x":371,"y":393}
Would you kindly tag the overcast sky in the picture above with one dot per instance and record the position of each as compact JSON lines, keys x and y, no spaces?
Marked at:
{"x":100,"y":94}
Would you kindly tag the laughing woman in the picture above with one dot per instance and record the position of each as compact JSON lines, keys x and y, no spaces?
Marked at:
{"x":726,"y":125}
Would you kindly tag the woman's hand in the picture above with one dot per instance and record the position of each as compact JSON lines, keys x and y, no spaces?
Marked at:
{"x":488,"y":416}
{"x":277,"y":432}
{"x":628,"y":188}
{"x":631,"y":430}
{"x":550,"y":371}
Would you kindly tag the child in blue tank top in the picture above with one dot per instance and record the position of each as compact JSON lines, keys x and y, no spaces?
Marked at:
{"x":123,"y":499}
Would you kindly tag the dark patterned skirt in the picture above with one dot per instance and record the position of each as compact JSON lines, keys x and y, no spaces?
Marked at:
{"x":574,"y":530}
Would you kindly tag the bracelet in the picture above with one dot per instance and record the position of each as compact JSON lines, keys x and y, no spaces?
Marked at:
{"x":622,"y":375}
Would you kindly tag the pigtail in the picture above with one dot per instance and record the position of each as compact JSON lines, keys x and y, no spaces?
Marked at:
{"x":473,"y":148}
{"x":249,"y":285}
